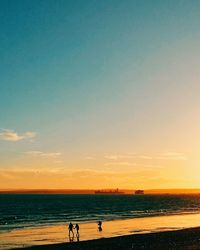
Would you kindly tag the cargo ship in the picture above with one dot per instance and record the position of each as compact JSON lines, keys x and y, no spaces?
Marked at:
{"x":139,"y":192}
{"x":115,"y":191}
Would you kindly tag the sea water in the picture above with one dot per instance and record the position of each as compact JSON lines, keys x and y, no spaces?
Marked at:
{"x":42,"y":219}
{"x":22,"y":211}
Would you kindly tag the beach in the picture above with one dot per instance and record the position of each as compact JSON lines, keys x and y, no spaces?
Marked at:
{"x":185,"y":239}
{"x":37,"y":220}
{"x":174,"y":229}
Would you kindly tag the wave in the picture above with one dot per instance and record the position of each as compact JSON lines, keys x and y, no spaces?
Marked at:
{"x":20,"y":211}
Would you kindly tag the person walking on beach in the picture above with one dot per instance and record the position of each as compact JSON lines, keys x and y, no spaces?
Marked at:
{"x":70,"y":228}
{"x":99,"y":226}
{"x":77,"y":229}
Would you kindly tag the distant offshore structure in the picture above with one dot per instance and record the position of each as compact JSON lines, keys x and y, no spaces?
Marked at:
{"x":139,"y":192}
{"x":115,"y":191}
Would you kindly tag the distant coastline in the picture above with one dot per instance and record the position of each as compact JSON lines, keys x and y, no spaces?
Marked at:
{"x":92,"y":191}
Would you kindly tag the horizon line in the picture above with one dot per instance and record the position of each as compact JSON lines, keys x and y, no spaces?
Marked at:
{"x":91,"y":191}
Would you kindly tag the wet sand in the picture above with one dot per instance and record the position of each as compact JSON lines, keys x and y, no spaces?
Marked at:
{"x":57,"y":235}
{"x":185,"y":239}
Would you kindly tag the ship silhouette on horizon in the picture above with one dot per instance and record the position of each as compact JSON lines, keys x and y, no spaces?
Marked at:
{"x":139,"y":191}
{"x":106,"y":191}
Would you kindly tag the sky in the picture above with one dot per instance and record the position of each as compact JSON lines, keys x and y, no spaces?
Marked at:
{"x":99,"y":94}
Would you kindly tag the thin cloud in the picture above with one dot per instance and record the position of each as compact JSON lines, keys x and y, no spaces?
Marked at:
{"x":120,"y":156}
{"x":145,"y":157}
{"x":89,"y":158}
{"x":111,"y":157}
{"x":172,"y":156}
{"x":11,"y":135}
{"x":128,"y":156}
{"x":161,"y":156}
{"x":120,"y":164}
{"x":44,"y":154}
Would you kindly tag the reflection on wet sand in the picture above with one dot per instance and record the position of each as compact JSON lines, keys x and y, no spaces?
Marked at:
{"x":74,"y":238}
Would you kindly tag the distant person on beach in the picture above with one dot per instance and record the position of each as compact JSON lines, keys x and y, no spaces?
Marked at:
{"x":100,"y":226}
{"x":77,"y":229}
{"x":70,"y":228}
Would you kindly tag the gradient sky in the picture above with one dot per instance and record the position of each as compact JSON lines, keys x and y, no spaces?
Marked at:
{"x":99,"y":94}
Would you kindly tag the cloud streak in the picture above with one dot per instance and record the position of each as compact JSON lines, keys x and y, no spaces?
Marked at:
{"x":44,"y":154}
{"x":117,"y":157}
{"x":162,"y":156}
{"x":128,"y":164}
{"x":172,"y":156}
{"x":89,"y":158}
{"x":128,"y":156}
{"x":11,"y":135}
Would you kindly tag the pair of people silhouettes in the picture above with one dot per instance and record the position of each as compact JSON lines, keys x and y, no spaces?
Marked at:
{"x":71,"y":228}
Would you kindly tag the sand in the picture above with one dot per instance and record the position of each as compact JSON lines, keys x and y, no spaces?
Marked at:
{"x":181,"y":239}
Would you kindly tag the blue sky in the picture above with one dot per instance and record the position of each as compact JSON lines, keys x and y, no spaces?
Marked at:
{"x":90,"y":78}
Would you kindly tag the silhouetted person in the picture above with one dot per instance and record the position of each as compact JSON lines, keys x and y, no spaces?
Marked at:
{"x":99,"y":223}
{"x":70,"y":228}
{"x":77,"y":229}
{"x":100,"y":226}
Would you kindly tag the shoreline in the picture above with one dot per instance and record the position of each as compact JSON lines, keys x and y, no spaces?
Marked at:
{"x":58,"y":235}
{"x":183,"y":239}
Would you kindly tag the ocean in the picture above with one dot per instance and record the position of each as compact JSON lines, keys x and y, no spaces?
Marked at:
{"x":36,"y":210}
